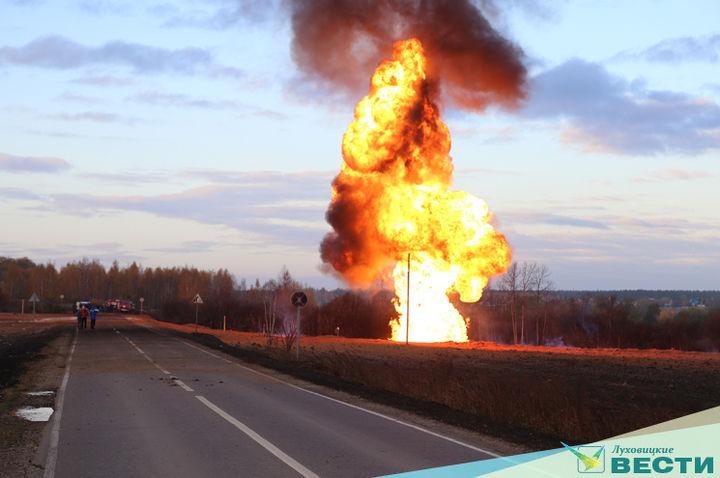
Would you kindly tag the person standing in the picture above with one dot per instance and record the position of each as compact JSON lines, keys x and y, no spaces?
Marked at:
{"x":79,"y":317}
{"x":93,"y":316}
{"x":84,"y":313}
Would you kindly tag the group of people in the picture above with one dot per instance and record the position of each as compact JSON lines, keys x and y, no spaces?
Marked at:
{"x":83,"y":314}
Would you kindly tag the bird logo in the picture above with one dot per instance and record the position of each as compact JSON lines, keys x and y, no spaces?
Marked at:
{"x":594,"y":463}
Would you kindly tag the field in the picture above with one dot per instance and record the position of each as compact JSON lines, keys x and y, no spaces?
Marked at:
{"x":536,"y":395}
{"x":32,"y":357}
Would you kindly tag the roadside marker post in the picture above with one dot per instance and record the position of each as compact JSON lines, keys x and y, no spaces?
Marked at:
{"x":22,"y":307}
{"x":34,"y":299}
{"x":299,"y":300}
{"x":197,"y":300}
{"x":224,"y":323}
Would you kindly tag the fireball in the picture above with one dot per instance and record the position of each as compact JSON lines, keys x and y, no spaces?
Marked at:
{"x":392,"y":201}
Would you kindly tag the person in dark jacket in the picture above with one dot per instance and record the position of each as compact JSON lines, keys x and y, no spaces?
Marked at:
{"x":84,"y":313}
{"x":79,"y":317}
{"x":93,"y":317}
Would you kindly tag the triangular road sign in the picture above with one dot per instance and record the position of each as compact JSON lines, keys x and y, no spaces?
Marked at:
{"x":197,"y":299}
{"x":34,"y":298}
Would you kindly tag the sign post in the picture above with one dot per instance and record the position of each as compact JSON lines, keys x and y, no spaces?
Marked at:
{"x":142,"y":301}
{"x":299,"y":300}
{"x":407,"y":315}
{"x":34,"y":299}
{"x":197,"y":300}
{"x":224,"y":323}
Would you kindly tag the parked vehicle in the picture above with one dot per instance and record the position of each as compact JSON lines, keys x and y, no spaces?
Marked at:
{"x":119,"y":305}
{"x":79,"y":305}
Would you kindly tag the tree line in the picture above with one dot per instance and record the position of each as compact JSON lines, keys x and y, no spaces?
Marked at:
{"x":521,"y":307}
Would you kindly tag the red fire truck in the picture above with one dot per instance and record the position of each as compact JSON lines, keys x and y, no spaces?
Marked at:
{"x":119,"y":305}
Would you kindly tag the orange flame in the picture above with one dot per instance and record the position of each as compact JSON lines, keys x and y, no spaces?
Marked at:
{"x":392,"y":198}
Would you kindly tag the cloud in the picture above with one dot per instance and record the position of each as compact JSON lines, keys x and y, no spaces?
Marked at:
{"x":60,"y":53}
{"x":18,"y":194}
{"x":282,"y":208}
{"x":105,"y":7}
{"x":188,"y":247}
{"x":31,"y":164}
{"x":139,"y":177}
{"x":84,"y":99}
{"x":103,"y":80}
{"x":226,"y":14}
{"x":94,"y":117}
{"x":159,"y":98}
{"x":531,"y":217}
{"x":172,"y":99}
{"x":677,"y":50}
{"x":674,"y":175}
{"x":604,"y":112}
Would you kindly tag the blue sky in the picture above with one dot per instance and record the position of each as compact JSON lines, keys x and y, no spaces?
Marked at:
{"x":181,"y":132}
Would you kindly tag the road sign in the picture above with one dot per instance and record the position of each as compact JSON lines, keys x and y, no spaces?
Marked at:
{"x":34,"y":299}
{"x":197,"y":299}
{"x":142,"y":299}
{"x":299,"y":299}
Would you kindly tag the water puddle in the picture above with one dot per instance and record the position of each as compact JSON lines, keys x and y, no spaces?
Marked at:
{"x":44,"y":393}
{"x":35,"y":414}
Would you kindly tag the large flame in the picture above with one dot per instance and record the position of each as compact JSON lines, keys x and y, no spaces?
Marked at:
{"x":392,"y":200}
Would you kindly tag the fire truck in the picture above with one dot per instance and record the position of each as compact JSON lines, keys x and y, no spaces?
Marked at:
{"x":119,"y":305}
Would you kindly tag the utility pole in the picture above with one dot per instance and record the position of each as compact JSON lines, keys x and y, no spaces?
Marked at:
{"x":407,"y":314}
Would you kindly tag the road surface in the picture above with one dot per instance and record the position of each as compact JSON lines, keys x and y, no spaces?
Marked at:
{"x":140,"y":403}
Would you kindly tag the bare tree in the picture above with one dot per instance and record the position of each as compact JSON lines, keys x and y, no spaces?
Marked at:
{"x":269,"y":298}
{"x":509,"y":283}
{"x":542,"y":286}
{"x":527,"y":272}
{"x":525,"y":283}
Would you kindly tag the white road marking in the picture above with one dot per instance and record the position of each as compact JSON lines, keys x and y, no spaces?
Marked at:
{"x":142,"y":352}
{"x":356,"y":407}
{"x":51,"y":459}
{"x":292,"y":463}
{"x":183,"y":386}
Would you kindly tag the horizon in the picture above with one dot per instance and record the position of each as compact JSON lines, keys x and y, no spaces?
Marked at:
{"x":161,"y":135}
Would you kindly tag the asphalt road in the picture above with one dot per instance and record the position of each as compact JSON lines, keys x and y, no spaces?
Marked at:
{"x":138,"y":403}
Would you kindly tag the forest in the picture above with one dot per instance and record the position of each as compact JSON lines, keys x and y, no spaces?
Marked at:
{"x":521,"y":307}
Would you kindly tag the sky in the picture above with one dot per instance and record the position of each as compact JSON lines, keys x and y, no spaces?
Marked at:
{"x":181,"y":132}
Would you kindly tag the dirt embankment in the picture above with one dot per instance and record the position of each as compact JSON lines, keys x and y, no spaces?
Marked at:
{"x":32,"y":359}
{"x":533,"y":394}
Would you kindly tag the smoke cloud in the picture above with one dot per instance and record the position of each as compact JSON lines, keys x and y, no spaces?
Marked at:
{"x":342,"y":41}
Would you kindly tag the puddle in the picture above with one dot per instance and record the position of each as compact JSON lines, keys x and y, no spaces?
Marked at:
{"x":35,"y":414}
{"x":44,"y":393}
